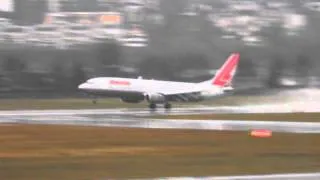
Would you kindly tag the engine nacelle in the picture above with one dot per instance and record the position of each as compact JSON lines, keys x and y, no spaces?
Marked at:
{"x":228,"y":89}
{"x":156,"y":98}
{"x":137,"y":99}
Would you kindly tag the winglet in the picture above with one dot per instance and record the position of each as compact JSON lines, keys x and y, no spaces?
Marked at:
{"x":225,"y":74}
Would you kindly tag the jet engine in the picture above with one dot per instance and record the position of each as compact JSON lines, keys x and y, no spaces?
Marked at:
{"x":156,"y":98}
{"x":228,"y":89}
{"x":135,"y":99}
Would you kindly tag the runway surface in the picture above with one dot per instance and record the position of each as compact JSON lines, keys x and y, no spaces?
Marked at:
{"x":230,"y":125}
{"x":126,"y":111}
{"x":135,"y":118}
{"x":138,"y":112}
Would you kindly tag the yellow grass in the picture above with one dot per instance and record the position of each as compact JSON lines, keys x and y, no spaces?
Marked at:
{"x":68,"y":152}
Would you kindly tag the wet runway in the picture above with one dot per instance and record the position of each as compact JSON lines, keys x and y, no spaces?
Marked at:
{"x":124,"y":112}
{"x":221,"y":125}
{"x":136,"y":118}
{"x":101,"y":115}
{"x":141,"y":112}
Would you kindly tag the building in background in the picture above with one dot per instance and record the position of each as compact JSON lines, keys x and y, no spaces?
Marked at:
{"x":29,"y":12}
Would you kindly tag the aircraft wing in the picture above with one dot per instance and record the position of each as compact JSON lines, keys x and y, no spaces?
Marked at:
{"x":182,"y":95}
{"x":181,"y":91}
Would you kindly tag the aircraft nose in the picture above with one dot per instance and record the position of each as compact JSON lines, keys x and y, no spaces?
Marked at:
{"x":83,"y":86}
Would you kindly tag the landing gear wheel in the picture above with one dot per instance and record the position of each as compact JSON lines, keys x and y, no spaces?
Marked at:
{"x":152,"y":106}
{"x":167,"y":106}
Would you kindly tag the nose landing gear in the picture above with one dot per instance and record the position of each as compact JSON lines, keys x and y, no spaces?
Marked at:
{"x":152,"y":106}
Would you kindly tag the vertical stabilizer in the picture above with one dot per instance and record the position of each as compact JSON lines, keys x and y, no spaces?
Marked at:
{"x":225,"y":74}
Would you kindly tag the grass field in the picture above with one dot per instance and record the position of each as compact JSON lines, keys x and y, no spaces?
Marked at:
{"x":301,"y":117}
{"x":33,"y":152}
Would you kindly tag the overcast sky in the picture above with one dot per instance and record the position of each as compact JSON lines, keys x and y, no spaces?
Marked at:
{"x":6,"y":5}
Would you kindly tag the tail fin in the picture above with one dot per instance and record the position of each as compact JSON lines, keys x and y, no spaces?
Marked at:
{"x":225,"y":74}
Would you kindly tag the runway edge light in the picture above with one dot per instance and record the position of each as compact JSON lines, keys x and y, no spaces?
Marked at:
{"x":261,"y":133}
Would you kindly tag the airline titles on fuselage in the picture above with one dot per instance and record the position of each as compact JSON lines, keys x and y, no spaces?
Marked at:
{"x":119,"y":82}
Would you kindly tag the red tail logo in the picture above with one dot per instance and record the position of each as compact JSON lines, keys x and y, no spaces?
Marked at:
{"x":227,"y":71}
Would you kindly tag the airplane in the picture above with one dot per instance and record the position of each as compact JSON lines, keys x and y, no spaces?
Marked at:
{"x":163,"y":92}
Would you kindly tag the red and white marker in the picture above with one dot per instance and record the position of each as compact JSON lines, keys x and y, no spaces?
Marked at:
{"x":261,"y":133}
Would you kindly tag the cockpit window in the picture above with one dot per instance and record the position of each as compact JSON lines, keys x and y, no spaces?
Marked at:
{"x":90,"y":81}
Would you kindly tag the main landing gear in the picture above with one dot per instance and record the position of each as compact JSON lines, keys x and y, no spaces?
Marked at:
{"x":153,"y":106}
{"x":167,"y":106}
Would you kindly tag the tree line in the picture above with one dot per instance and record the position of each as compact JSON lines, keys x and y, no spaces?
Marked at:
{"x":108,"y":56}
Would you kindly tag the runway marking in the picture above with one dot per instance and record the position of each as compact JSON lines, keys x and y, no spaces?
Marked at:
{"x":293,"y":176}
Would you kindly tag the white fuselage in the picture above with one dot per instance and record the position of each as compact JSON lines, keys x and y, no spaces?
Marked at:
{"x":161,"y":92}
{"x":123,"y":87}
